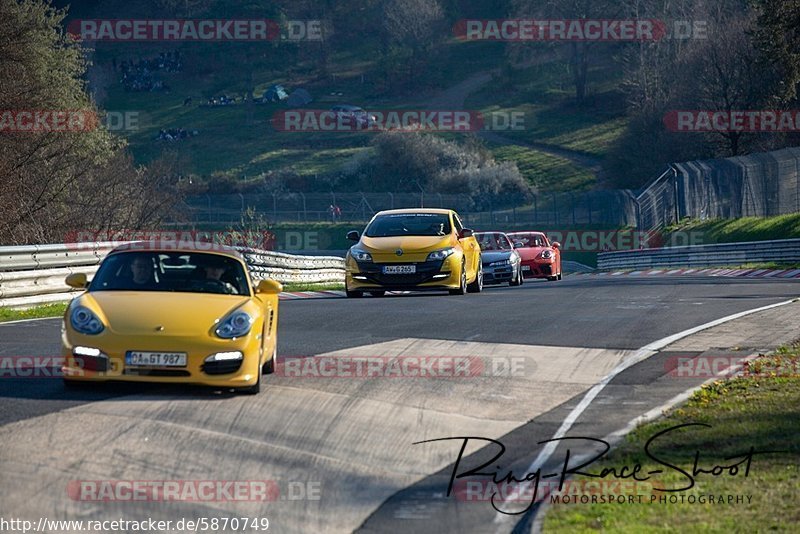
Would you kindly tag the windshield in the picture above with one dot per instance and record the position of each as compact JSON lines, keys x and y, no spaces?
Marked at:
{"x":530,"y":240}
{"x":191,"y":272}
{"x":400,"y":224}
{"x":493,"y":241}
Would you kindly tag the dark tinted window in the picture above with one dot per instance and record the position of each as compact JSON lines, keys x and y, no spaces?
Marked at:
{"x":491,"y":241}
{"x":427,"y":224}
{"x":457,"y":223}
{"x":192,"y":272}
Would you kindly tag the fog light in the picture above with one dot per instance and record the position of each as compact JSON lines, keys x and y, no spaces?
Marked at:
{"x":224,"y":356}
{"x":359,"y":277}
{"x":86,"y":351}
{"x":90,"y":359}
{"x":441,"y":275}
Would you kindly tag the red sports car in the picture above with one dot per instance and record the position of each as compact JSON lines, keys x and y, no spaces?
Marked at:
{"x":540,"y":258}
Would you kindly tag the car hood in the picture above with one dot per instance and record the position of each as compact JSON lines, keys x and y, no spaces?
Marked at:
{"x":411,"y":243}
{"x":143,"y":312}
{"x":496,"y":255}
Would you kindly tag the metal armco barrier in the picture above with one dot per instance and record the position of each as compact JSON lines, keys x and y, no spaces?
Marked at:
{"x":33,"y":275}
{"x":718,"y":255}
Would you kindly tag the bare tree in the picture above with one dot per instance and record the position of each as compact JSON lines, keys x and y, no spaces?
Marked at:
{"x":413,"y":24}
{"x":726,"y":73}
{"x":52,"y":181}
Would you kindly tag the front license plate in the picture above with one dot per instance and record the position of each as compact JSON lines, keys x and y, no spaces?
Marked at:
{"x":526,"y":267}
{"x":399,"y":269}
{"x":155,"y":359}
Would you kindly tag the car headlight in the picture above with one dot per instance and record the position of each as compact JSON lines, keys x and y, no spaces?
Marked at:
{"x":546,"y":255}
{"x":83,"y":320}
{"x":438,"y":255}
{"x":236,"y":324}
{"x":360,"y":255}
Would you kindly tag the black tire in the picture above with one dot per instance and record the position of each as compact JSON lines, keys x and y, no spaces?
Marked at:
{"x":477,"y":285}
{"x":269,"y":366}
{"x":377,"y":293}
{"x":353,"y":294}
{"x":552,"y":278}
{"x":560,"y":275}
{"x":462,"y":288}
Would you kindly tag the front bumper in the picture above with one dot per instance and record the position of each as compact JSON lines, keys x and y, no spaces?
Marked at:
{"x":538,"y":268}
{"x":498,"y":275}
{"x":428,"y":275}
{"x":111,"y":365}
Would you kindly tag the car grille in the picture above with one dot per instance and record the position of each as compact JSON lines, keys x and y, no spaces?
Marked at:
{"x":222,"y":367}
{"x":92,"y":363}
{"x":425,"y":272}
{"x":539,"y":270}
{"x":156,"y":372}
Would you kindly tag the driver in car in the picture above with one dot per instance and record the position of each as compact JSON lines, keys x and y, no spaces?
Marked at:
{"x":214,"y":269}
{"x":141,"y":273}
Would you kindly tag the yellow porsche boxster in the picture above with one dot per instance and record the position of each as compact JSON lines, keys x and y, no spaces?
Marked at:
{"x":413,"y":250}
{"x":184,"y":313}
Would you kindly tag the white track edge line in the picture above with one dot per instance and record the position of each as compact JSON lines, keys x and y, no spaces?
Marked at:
{"x":640,"y":355}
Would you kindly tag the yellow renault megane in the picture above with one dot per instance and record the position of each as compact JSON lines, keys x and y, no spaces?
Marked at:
{"x":416,"y":250}
{"x":172,"y":314}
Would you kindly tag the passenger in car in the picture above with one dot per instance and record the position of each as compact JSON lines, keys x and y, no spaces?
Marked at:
{"x":214,"y":269}
{"x":142,"y":276}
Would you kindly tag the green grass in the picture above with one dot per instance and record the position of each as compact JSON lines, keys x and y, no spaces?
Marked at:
{"x":36,"y":312}
{"x":232,"y":142}
{"x":744,"y":229}
{"x":760,"y":411}
{"x":543,"y":93}
{"x":313,"y":287}
{"x":545,"y":171}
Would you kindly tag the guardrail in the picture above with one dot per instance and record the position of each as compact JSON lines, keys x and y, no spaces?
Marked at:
{"x":784,"y":251}
{"x":33,"y":275}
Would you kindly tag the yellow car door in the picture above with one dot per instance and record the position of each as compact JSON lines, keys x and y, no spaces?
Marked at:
{"x":470,"y":247}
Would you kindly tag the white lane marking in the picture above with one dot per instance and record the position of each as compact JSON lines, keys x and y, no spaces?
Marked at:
{"x":17,"y":321}
{"x":640,"y":355}
{"x":615,"y":437}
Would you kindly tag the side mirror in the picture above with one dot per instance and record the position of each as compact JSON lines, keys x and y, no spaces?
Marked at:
{"x":77,"y":280}
{"x":466,"y":232}
{"x":352,"y":235}
{"x":556,"y":245}
{"x":269,"y":287}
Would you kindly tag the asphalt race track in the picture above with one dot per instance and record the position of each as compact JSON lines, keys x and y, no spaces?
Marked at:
{"x":341,"y":449}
